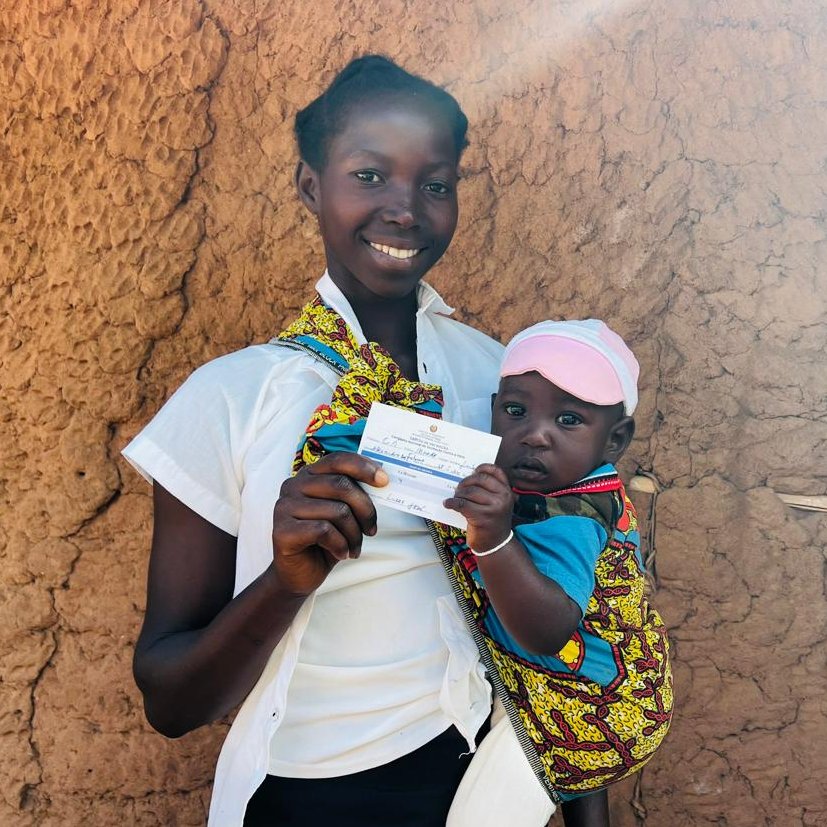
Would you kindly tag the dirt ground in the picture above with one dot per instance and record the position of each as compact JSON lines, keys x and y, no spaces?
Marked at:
{"x":661,"y":165}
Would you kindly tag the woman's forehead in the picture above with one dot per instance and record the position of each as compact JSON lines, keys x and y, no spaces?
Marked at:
{"x":390,"y":126}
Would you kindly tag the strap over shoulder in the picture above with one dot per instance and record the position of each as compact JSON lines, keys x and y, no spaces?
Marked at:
{"x":368,"y":374}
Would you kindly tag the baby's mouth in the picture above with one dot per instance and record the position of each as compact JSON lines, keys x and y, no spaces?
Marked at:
{"x":399,"y":253}
{"x":531,"y":465}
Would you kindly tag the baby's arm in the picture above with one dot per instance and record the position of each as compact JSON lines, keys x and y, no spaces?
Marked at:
{"x":534,"y":609}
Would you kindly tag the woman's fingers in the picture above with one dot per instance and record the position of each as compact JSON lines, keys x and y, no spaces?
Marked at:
{"x":322,"y":534}
{"x":305,"y":551}
{"x":330,"y":524}
{"x":350,"y":465}
{"x":309,"y":537}
{"x":321,"y":516}
{"x":334,"y":478}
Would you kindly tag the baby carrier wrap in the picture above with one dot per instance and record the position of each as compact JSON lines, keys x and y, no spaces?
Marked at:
{"x":579,"y":735}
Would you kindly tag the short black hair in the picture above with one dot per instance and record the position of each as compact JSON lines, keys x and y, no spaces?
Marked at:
{"x":366,"y":79}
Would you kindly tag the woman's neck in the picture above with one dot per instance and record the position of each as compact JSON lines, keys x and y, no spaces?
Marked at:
{"x":391,"y":322}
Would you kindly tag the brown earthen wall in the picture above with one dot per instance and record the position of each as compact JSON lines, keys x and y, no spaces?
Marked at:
{"x":662,"y":165}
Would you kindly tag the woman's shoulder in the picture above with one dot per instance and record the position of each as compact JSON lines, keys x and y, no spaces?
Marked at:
{"x":258,"y":357}
{"x":463,"y":336}
{"x":227,"y":400}
{"x":247,"y":385}
{"x":247,"y":369}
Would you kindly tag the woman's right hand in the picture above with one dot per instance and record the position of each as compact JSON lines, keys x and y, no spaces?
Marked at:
{"x":201,"y":650}
{"x":320,"y":517}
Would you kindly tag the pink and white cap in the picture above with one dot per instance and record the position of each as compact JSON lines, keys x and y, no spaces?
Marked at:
{"x":584,"y":358}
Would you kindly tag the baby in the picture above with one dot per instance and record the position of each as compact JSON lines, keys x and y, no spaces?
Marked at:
{"x":554,"y":581}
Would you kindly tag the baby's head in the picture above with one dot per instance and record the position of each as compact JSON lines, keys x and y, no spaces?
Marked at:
{"x":565,"y":402}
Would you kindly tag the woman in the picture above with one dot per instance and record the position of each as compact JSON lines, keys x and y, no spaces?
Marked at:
{"x":331,"y":620}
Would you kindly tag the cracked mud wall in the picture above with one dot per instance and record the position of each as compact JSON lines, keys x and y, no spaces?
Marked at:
{"x":660,"y":165}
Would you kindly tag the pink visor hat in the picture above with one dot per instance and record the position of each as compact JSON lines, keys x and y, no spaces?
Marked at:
{"x":586,"y":359}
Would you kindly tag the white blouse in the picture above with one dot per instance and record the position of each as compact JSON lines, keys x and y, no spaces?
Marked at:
{"x":378,"y":661}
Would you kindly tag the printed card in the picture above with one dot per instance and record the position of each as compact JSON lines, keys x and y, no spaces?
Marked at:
{"x":425,"y":459}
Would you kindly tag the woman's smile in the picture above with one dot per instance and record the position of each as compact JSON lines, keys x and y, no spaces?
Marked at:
{"x":396,"y":253}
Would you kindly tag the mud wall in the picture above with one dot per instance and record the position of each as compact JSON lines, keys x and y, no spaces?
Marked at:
{"x":661,"y":165}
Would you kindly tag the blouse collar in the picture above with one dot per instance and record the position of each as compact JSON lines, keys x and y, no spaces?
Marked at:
{"x":427,"y":299}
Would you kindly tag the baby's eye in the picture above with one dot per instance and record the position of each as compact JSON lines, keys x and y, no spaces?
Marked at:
{"x":437,"y":187}
{"x":368,"y":176}
{"x":568,"y":419}
{"x":513,"y":409}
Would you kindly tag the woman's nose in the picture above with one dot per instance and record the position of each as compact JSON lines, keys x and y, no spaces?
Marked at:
{"x":402,"y":209}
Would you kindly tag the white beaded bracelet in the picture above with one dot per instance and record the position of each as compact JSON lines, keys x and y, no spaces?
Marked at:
{"x":496,"y":548}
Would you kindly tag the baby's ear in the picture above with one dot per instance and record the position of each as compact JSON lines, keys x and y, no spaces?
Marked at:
{"x":618,"y":439}
{"x":307,"y":183}
{"x":493,"y":400}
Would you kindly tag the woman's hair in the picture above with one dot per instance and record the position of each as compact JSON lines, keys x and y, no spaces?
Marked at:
{"x":364,"y":80}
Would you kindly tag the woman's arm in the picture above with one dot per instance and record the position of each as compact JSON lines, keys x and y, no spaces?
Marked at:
{"x":534,"y":609}
{"x":200,"y":650}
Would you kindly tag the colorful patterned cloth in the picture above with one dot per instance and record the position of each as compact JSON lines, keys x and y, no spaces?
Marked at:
{"x":587,"y":734}
{"x":369,"y":375}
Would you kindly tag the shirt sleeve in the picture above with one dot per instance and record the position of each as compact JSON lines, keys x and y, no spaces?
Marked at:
{"x":566,"y":545}
{"x":190,"y":448}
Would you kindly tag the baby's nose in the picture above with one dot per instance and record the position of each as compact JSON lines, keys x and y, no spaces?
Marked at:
{"x":538,"y":437}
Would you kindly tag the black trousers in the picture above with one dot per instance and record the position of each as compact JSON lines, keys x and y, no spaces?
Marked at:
{"x":415,"y":790}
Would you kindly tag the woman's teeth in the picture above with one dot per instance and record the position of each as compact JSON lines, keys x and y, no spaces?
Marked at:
{"x":393,"y":252}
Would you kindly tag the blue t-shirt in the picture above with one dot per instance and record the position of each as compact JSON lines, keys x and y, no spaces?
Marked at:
{"x":565,"y":533}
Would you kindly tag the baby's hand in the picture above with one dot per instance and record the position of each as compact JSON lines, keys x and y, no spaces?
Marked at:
{"x":485,"y":499}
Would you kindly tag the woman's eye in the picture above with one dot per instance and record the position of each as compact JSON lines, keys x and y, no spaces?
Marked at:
{"x":437,"y":187}
{"x":368,"y":176}
{"x":513,"y":410}
{"x":569,"y":419}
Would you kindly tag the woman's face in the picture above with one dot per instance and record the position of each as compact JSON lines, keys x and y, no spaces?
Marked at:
{"x":386,"y":199}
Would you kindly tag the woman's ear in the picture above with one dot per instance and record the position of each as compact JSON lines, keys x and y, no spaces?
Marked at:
{"x":307,"y":184}
{"x":618,"y":439}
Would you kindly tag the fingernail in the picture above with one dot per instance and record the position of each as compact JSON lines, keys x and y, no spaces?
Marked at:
{"x":381,"y":477}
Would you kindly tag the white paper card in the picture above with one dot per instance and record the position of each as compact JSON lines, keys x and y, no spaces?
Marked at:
{"x":425,"y":459}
